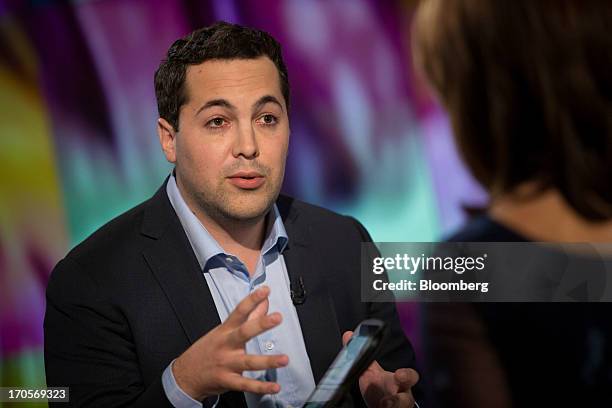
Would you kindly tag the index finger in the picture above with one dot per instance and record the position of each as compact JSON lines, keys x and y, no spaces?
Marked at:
{"x":241,"y":313}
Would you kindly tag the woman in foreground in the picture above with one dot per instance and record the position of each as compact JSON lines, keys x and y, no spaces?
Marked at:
{"x":528,"y":88}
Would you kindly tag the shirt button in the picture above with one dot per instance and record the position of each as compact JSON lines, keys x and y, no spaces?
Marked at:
{"x":269,"y":345}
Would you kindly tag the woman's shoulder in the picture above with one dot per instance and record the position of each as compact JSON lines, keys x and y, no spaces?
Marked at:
{"x":482,"y":228}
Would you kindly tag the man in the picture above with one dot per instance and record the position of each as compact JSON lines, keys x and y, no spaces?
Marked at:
{"x":217,"y":290}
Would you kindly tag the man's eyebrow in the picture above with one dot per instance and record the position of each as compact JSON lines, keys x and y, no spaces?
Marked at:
{"x":216,"y":102}
{"x":266,"y":99}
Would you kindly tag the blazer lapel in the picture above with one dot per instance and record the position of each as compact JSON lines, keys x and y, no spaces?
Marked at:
{"x":176,"y":268}
{"x":317,"y":314}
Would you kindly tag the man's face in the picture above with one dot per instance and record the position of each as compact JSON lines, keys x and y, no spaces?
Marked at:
{"x":233,"y":137}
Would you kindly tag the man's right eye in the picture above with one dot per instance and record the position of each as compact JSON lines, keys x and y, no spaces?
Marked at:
{"x":216,"y":123}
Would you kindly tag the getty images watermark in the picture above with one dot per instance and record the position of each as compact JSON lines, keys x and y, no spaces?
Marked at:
{"x":486,"y":272}
{"x":413,"y":264}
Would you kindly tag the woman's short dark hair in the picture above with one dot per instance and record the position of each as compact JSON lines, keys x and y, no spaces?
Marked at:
{"x":528,"y":87}
{"x":220,"y":41}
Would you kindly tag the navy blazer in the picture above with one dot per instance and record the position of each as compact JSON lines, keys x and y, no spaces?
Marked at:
{"x":130,"y":298}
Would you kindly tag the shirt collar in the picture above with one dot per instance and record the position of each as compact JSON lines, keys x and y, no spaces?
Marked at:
{"x":204,"y":245}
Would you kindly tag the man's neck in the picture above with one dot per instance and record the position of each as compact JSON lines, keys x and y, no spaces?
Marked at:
{"x":243,"y":238}
{"x":232,"y":235}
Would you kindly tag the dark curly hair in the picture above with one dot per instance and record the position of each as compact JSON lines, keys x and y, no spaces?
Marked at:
{"x":221,"y":40}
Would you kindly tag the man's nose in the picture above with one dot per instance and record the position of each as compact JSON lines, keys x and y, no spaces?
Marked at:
{"x":246,"y":143}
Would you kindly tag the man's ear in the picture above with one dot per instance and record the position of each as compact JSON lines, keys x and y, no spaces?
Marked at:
{"x":167,"y":139}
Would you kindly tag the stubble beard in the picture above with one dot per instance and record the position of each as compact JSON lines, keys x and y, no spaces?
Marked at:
{"x":230,"y":208}
{"x":227,"y":208}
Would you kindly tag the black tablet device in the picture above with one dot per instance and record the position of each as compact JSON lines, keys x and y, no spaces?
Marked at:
{"x":351,"y":361}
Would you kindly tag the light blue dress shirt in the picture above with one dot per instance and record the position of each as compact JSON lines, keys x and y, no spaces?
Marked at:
{"x":229,"y":282}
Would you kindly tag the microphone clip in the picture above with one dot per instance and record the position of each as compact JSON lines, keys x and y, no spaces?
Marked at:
{"x":298,"y":296}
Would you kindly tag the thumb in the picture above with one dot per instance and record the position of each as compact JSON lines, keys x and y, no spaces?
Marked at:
{"x":346,"y":337}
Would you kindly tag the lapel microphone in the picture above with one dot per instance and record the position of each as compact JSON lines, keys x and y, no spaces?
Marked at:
{"x":298,"y":295}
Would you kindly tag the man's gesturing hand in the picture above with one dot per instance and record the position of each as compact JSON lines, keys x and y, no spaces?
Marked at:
{"x":384,"y":389}
{"x":214,"y":364}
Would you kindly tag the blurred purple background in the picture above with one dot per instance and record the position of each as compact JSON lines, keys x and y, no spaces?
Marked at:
{"x":79,"y":146}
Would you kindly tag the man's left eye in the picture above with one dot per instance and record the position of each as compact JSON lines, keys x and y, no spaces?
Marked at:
{"x":267,"y":119}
